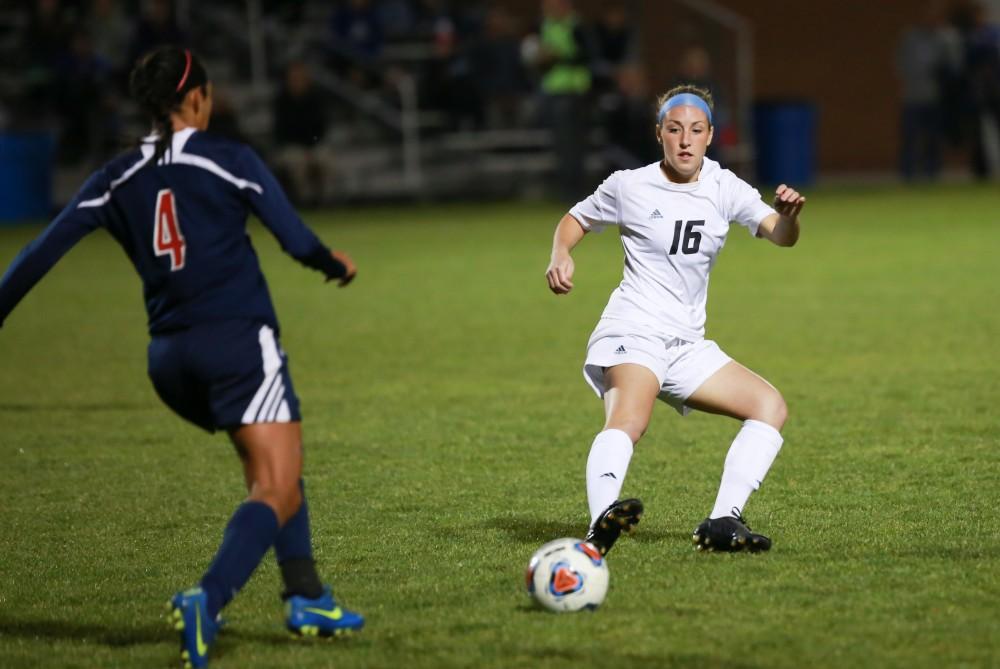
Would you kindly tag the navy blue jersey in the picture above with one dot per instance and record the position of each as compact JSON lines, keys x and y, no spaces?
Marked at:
{"x":182,"y":223}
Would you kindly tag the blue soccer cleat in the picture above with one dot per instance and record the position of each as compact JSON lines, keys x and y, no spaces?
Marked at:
{"x":321,"y":616}
{"x":189,"y":616}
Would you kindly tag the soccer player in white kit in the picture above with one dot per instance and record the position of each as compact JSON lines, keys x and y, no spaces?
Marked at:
{"x":673,"y":217}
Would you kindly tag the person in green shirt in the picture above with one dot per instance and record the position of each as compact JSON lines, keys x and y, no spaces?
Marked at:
{"x":563,"y":58}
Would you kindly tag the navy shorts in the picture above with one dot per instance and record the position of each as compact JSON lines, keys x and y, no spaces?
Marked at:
{"x":223,"y":375}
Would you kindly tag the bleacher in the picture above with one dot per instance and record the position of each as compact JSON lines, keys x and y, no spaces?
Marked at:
{"x":385,"y":140}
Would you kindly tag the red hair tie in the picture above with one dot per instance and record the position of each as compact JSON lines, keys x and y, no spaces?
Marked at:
{"x":187,"y":70}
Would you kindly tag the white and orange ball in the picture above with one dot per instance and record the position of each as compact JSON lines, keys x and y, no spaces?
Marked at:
{"x":567,"y":575}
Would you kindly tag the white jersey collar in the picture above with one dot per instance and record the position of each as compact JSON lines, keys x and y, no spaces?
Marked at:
{"x":708,"y":169}
{"x":178,"y":140}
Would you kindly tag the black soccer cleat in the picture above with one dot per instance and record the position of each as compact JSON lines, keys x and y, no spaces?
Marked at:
{"x":621,"y":516}
{"x":729,"y":534}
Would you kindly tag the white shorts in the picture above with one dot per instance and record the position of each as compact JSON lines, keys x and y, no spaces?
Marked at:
{"x":680,"y":366}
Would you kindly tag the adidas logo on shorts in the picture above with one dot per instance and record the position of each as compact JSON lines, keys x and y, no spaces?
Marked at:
{"x":656,"y":214}
{"x":620,"y":350}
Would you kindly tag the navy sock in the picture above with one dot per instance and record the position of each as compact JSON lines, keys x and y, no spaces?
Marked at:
{"x":295,"y":540}
{"x":293,"y":548}
{"x":250,"y":533}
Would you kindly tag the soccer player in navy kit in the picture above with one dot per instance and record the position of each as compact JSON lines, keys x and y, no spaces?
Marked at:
{"x":178,"y":205}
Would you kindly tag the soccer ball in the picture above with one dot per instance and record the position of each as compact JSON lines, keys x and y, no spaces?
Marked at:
{"x":567,"y":575}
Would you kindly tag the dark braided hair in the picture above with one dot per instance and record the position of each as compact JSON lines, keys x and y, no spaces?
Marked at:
{"x":158,"y":82}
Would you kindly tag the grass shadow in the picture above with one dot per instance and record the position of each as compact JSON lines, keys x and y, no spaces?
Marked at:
{"x":40,"y":407}
{"x":532,"y":530}
{"x":123,"y":636}
{"x":107,"y":635}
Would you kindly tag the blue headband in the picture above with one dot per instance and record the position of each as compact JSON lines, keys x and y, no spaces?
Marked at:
{"x":689,"y":99}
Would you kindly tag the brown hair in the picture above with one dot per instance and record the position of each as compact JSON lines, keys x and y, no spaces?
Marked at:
{"x":702,"y":93}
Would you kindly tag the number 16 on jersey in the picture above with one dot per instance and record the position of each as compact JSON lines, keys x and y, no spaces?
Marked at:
{"x":692,"y":238}
{"x":167,"y":237}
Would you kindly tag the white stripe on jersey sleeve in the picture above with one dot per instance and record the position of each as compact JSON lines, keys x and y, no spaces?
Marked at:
{"x":272,"y":366}
{"x":173,"y":156}
{"x":147,"y":154}
{"x":206,"y":164}
{"x":178,"y":156}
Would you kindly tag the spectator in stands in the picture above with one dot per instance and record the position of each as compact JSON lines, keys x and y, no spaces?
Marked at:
{"x":299,"y":128}
{"x":925,"y":59}
{"x":225,"y":120}
{"x":356,"y":28}
{"x":446,"y":77}
{"x":562,"y":56}
{"x":475,"y":69}
{"x":398,"y":18}
{"x":497,"y":72}
{"x":626,"y":117}
{"x":356,"y":41}
{"x":696,"y":70}
{"x":87,"y":120}
{"x":110,"y":33}
{"x":46,"y":33}
{"x":616,"y":44}
{"x":983,"y":66}
{"x":157,"y":27}
{"x":43,"y":41}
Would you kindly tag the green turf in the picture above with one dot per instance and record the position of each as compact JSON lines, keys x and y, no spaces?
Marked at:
{"x":448,"y":425}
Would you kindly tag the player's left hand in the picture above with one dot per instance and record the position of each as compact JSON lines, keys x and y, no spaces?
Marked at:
{"x":351,"y":268}
{"x":788,"y":202}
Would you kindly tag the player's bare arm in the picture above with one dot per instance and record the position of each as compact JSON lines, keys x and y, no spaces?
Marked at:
{"x":782,"y":228}
{"x":559,"y":274}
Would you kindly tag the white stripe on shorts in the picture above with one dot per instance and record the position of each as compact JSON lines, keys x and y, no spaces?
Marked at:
{"x":272,"y":368}
{"x":272,"y":410}
{"x":276,"y":392}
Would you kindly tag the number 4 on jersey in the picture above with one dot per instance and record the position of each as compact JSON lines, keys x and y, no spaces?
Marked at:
{"x":167,"y":237}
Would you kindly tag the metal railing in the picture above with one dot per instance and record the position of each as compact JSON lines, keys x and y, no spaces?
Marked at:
{"x":404,"y":120}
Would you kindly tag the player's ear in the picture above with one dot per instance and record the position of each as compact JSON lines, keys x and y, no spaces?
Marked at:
{"x":199,"y":93}
{"x":193,"y":99}
{"x":711,"y":134}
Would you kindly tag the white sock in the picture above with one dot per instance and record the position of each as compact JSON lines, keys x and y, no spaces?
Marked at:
{"x":606,"y":467}
{"x":753,"y":450}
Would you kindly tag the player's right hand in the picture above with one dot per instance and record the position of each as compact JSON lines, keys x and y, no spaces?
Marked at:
{"x":560,"y":274}
{"x":352,"y":269}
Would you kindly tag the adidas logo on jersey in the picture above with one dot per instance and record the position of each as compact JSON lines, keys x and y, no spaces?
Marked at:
{"x":620,"y":350}
{"x":656,"y":214}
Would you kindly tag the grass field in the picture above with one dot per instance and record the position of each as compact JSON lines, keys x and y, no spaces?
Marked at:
{"x":448,"y":426}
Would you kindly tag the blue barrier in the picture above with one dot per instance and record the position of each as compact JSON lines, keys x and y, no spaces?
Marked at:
{"x":25,"y":176}
{"x":785,"y":140}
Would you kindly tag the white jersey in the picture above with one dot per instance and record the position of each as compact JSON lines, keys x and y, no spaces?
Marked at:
{"x":672,"y":233}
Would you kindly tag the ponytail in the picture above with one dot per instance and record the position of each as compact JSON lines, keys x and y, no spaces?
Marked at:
{"x":159,"y":82}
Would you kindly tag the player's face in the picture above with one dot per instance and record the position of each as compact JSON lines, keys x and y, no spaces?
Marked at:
{"x":685,"y":135}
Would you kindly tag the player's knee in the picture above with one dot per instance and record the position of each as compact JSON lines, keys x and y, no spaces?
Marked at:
{"x":293,"y":499}
{"x":772,"y":409}
{"x":633,"y":426}
{"x":284,"y":499}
